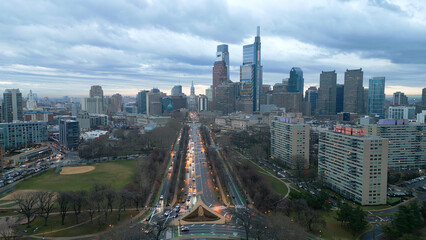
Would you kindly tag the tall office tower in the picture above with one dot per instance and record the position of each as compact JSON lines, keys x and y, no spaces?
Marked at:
{"x":92,"y":105}
{"x":353,"y":99}
{"x":69,"y":133}
{"x":340,"y":90}
{"x":251,"y":74}
{"x":153,"y":102}
{"x":296,"y":81}
{"x":116,"y":103}
{"x":225,"y":97}
{"x":407,"y":143}
{"x":222,"y":55}
{"x":31,"y":103}
{"x":220,"y":70}
{"x":290,"y":140}
{"x":326,"y":104}
{"x":12,"y":105}
{"x":311,"y":95}
{"x":376,"y":96}
{"x":141,"y":100}
{"x":424,"y":99}
{"x":402,"y":112}
{"x":291,"y":101}
{"x":353,"y":164}
{"x":202,"y":103}
{"x":399,"y":99}
{"x":176,"y":90}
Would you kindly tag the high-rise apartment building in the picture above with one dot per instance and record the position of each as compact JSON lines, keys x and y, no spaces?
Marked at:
{"x":92,"y":105}
{"x":202,"y":103}
{"x":354,"y":165}
{"x":407,"y":143}
{"x":296,"y":80}
{"x":340,"y":91}
{"x":290,"y":142}
{"x":399,"y":99}
{"x":401,"y":112}
{"x":12,"y":105}
{"x":69,"y":133}
{"x":311,"y":96}
{"x":96,"y":91}
{"x":141,"y":99}
{"x":353,"y":98}
{"x":251,"y":76}
{"x":326,"y":104}
{"x":376,"y":96}
{"x":21,"y":134}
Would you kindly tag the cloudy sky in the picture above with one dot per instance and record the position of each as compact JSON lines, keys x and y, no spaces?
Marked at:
{"x":59,"y":48}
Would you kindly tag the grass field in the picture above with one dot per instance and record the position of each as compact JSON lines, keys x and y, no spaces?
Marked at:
{"x":117,"y":174}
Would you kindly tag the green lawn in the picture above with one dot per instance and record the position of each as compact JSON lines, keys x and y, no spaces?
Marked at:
{"x":334,"y":229}
{"x":117,"y":174}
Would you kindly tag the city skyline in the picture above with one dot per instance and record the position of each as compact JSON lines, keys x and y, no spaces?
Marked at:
{"x":56,"y":49}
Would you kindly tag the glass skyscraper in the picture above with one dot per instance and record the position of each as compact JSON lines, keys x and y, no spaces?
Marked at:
{"x":222,"y":54}
{"x":376,"y":96}
{"x":295,"y":82}
{"x":251,"y":74}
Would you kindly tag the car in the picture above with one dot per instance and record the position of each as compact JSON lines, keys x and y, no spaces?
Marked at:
{"x":184,"y":229}
{"x":189,"y":194}
{"x":166,"y":213}
{"x":193,"y":179}
{"x":161,"y":197}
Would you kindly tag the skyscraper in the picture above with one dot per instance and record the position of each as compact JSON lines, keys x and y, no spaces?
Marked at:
{"x":141,"y":100}
{"x":222,"y":55}
{"x":12,"y":105}
{"x":295,"y":82}
{"x":69,"y":133}
{"x":400,"y":99}
{"x":424,"y":99}
{"x":225,"y":97}
{"x":96,"y":91}
{"x":340,"y":90}
{"x":311,"y":95}
{"x":376,"y":96}
{"x":353,"y":99}
{"x":192,"y":89}
{"x":326,"y":104}
{"x":251,"y":75}
{"x":176,"y":90}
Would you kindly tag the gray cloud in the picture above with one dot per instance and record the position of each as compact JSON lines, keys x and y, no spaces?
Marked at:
{"x":132,"y":45}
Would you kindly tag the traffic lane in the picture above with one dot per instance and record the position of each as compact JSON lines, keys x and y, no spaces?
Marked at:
{"x":373,"y":233}
{"x":207,"y":229}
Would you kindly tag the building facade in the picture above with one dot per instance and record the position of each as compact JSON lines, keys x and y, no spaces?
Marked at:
{"x":296,"y":80}
{"x":376,"y":96}
{"x":141,"y":100}
{"x":176,"y":90}
{"x":290,"y":142}
{"x":21,"y":134}
{"x":311,"y":96}
{"x":354,"y":165}
{"x":69,"y":133}
{"x":399,"y":99}
{"x":424,"y":99}
{"x":353,"y":98}
{"x":93,"y":105}
{"x":340,"y":91}
{"x":407,"y":143}
{"x":251,"y":76}
{"x":12,"y":105}
{"x":326,"y":104}
{"x":402,"y":112}
{"x":226,"y":98}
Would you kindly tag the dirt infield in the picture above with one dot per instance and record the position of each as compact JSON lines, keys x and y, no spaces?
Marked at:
{"x":9,"y":197}
{"x":77,"y":170}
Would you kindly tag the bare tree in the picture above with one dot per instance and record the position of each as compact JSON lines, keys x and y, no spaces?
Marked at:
{"x":91,"y":205}
{"x":78,"y":198}
{"x":313,"y":219}
{"x":110,"y":196}
{"x":27,"y":203}
{"x":63,"y":200}
{"x":155,"y":229}
{"x":244,"y":217}
{"x":98,"y":191}
{"x":46,"y":203}
{"x":122,"y":200}
{"x":8,"y":228}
